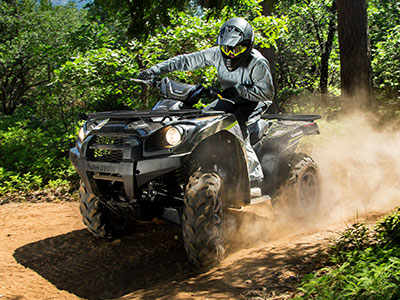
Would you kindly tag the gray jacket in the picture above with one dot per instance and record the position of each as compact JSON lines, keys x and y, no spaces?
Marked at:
{"x":253,"y":82}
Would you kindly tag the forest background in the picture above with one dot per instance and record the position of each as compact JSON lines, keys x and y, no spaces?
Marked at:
{"x":60,"y":62}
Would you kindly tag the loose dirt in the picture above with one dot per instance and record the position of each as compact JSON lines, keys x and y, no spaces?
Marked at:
{"x":46,"y":253}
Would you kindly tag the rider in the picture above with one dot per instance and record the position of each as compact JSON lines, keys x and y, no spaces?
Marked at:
{"x":244,"y":75}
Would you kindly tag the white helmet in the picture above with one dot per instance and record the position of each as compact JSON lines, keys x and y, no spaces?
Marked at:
{"x":236,"y":40}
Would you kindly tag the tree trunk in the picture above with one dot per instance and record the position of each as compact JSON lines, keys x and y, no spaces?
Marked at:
{"x":355,"y":54}
{"x":270,"y":54}
{"x":327,"y":49}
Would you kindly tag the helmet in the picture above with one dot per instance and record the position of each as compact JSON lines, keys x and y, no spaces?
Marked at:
{"x":235,"y":40}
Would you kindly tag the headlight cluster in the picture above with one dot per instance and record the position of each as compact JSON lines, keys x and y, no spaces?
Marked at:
{"x":173,"y":136}
{"x":87,"y":127}
{"x":81,"y":134}
{"x":166,"y":138}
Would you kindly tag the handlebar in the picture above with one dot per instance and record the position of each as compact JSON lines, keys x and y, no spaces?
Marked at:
{"x":154,"y":82}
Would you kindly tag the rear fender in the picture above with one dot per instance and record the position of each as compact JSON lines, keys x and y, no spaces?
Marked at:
{"x":224,"y":153}
{"x":285,"y":135}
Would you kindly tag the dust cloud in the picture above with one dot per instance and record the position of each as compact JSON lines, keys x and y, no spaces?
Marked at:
{"x":359,"y":163}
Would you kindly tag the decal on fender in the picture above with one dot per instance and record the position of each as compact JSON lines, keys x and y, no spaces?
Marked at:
{"x":235,"y":129}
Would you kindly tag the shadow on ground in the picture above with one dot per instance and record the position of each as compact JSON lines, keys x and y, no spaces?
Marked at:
{"x":150,"y":263}
{"x":96,"y":269}
{"x":260,"y":274}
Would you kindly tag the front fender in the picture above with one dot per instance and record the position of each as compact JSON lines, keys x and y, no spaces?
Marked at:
{"x":224,"y":153}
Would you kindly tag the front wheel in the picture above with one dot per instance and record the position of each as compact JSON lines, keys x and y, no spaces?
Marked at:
{"x":98,"y":219}
{"x":202,"y":219}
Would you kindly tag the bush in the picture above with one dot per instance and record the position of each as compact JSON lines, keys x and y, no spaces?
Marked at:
{"x":366,"y":265}
{"x":386,"y":63}
{"x":33,"y":154}
{"x":388,"y":229}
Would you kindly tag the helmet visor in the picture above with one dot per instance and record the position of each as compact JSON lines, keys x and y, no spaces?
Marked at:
{"x":233,"y":51}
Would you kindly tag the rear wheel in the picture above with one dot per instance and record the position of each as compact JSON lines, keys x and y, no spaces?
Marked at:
{"x":300,"y":196}
{"x":202,"y":219}
{"x":98,"y":218}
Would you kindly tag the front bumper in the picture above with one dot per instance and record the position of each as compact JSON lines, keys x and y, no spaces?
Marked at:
{"x":133,"y":174}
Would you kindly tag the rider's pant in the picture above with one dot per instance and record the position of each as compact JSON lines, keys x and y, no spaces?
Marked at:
{"x":256,"y":174}
{"x":242,"y":111}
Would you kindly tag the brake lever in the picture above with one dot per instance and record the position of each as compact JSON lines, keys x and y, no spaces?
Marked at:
{"x":153,"y":82}
{"x":225,"y":99}
{"x":141,"y":81}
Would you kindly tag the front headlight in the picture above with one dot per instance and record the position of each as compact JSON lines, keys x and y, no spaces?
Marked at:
{"x":87,"y":127}
{"x":81,"y":135}
{"x":165,"y":138}
{"x":173,"y":136}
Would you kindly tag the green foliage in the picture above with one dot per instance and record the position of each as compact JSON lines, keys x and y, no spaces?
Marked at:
{"x":355,"y":238}
{"x":384,"y":30}
{"x":388,"y":229}
{"x":33,"y":41}
{"x":190,"y":33}
{"x":300,"y":52}
{"x":144,"y":16}
{"x":371,"y":274}
{"x":382,"y":17}
{"x":185,"y":35}
{"x":32,"y":154}
{"x":386,"y":63}
{"x":366,"y":264}
{"x":13,"y":181}
{"x":98,"y":80}
{"x":301,"y":101}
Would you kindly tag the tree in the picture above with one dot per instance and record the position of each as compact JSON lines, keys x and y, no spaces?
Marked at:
{"x":326,"y":48}
{"x":355,"y":54}
{"x":32,"y":43}
{"x":384,"y":26}
{"x":307,"y":55}
{"x":145,"y":17}
{"x":270,"y":53}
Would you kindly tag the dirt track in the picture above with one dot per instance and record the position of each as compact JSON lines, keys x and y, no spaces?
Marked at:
{"x":45,"y":253}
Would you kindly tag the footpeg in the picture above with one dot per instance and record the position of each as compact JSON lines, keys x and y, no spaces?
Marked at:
{"x":255,"y":192}
{"x":257,"y":197}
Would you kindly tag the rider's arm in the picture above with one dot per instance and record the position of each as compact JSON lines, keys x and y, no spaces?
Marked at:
{"x":187,"y":62}
{"x":262,"y":88}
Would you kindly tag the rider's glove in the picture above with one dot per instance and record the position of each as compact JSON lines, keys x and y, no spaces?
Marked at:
{"x":230,"y":93}
{"x":146,"y":74}
{"x":211,"y":92}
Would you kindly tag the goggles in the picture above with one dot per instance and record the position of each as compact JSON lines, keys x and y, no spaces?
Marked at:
{"x":233,"y":51}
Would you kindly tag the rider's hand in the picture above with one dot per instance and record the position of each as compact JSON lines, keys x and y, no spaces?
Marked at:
{"x":230,"y":93}
{"x":146,"y":74}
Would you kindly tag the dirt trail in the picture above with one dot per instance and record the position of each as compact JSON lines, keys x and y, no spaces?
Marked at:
{"x":46,"y":253}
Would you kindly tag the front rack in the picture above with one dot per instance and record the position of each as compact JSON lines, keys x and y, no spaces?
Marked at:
{"x":146,"y":114}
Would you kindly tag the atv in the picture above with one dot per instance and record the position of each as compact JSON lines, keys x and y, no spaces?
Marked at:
{"x":189,"y":166}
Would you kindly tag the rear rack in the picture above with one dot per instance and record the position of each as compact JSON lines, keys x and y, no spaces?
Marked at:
{"x":307,"y":118}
